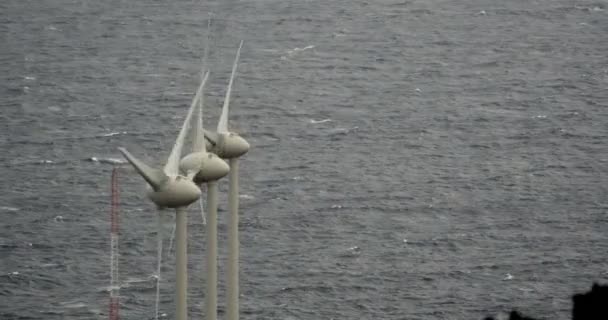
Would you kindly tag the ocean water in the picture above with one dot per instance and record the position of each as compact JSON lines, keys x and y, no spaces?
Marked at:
{"x":410,"y":159}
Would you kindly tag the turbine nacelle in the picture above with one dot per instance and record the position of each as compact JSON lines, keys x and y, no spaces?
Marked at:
{"x":167,"y":191}
{"x":204,"y":167}
{"x":227,"y":145}
{"x":176,"y":192}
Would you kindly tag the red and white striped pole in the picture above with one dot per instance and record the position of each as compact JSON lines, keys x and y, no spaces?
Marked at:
{"x":114,"y":227}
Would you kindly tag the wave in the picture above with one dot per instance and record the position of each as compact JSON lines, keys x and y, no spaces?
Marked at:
{"x":341,"y":131}
{"x":40,"y":161}
{"x":111,"y":134}
{"x":107,"y":160}
{"x":295,"y":51}
{"x":313,"y":121}
{"x":73,"y":304}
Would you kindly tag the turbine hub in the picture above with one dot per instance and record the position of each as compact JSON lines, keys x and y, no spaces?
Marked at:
{"x":208,"y":166}
{"x":176,"y":192}
{"x":231,"y":145}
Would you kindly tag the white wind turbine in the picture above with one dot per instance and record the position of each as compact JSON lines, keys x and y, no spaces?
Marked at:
{"x":169,"y":189}
{"x":206,"y":167}
{"x":230,"y":145}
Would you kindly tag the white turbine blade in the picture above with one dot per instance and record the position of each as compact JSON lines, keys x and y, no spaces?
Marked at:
{"x":211,"y":136}
{"x":171,"y":238}
{"x":207,"y":45}
{"x":199,"y":137}
{"x":154,"y":177}
{"x":222,"y":126}
{"x":200,"y":203}
{"x":172,"y":166}
{"x":191,"y":175}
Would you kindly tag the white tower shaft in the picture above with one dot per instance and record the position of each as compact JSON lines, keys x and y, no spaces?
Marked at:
{"x":211,"y":294}
{"x":181,"y":264}
{"x":233,"y":242}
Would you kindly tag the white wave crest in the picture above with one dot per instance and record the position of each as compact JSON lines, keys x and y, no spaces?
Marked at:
{"x":107,"y":160}
{"x":313,"y":121}
{"x":113,"y":134}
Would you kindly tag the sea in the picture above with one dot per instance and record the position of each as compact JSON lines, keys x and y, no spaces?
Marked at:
{"x":410,"y":159}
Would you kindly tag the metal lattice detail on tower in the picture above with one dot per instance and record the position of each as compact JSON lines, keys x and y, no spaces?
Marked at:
{"x":114,"y":228}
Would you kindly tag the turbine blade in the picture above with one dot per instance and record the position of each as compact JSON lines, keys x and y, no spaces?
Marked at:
{"x":222,"y":126}
{"x":200,"y":203}
{"x":172,"y":166}
{"x":211,"y":136}
{"x":191,"y":175}
{"x":207,"y":45}
{"x":154,"y":177}
{"x":199,"y":138}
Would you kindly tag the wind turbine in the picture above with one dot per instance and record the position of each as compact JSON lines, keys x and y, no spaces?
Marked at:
{"x":206,"y":167}
{"x":230,"y":145}
{"x":169,"y":189}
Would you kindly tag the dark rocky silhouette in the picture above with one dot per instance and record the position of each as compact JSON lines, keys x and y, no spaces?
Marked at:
{"x":592,"y":305}
{"x":514,"y":315}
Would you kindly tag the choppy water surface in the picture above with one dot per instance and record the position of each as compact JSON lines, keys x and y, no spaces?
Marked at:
{"x":407,"y":155}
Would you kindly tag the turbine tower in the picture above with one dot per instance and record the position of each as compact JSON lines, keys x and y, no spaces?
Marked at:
{"x":230,"y":145}
{"x":206,"y":167}
{"x":169,"y":189}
